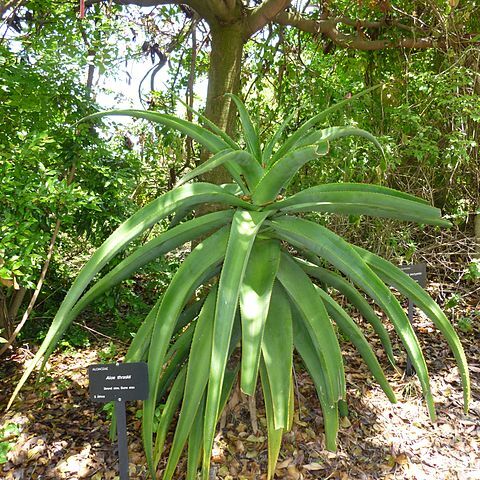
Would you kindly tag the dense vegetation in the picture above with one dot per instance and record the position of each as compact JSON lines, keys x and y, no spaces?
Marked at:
{"x":65,"y":186}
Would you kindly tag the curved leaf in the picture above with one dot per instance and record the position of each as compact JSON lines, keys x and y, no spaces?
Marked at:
{"x":211,"y":141}
{"x":249,"y":168}
{"x":408,"y":287}
{"x":278,"y":176}
{"x":211,"y":126}
{"x":313,"y":194}
{"x":250,"y":133}
{"x":302,"y":294}
{"x":268,"y":149}
{"x":196,"y":381}
{"x":204,"y":137}
{"x":162,"y":244}
{"x":360,"y":203}
{"x":255,"y":293}
{"x":245,"y":226}
{"x":174,"y":360}
{"x":355,"y":298}
{"x":304,"y":344}
{"x":303,"y":130}
{"x":338,"y":252}
{"x":205,"y":256}
{"x":351,"y":330}
{"x":274,"y":435}
{"x":332,"y":133}
{"x":169,"y":410}
{"x":195,"y":440}
{"x":277,"y":353}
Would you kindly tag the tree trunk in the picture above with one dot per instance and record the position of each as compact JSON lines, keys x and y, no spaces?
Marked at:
{"x":223,"y":77}
{"x":5,"y":329}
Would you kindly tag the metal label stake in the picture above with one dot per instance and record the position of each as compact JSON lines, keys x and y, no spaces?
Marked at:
{"x":119,"y":382}
{"x":417,"y":272}
{"x":120,"y":413}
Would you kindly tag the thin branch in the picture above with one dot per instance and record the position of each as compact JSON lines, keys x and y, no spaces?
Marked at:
{"x":38,"y":288}
{"x":12,"y":4}
{"x":263,"y":14}
{"x":328,"y":27}
{"x":190,"y":93}
{"x":207,"y":9}
{"x":377,"y":24}
{"x":142,"y":3}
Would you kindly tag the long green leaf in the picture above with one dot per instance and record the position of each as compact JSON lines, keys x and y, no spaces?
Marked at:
{"x":174,"y":360}
{"x":197,"y":376}
{"x":406,"y":286}
{"x":245,"y":226}
{"x":120,"y":239}
{"x":313,"y":194}
{"x":278,"y":176}
{"x":193,"y":309}
{"x":355,"y":298}
{"x":255,"y":293}
{"x":249,"y":168}
{"x":360,"y":203}
{"x":302,"y":294}
{"x":334,"y":249}
{"x":304,"y":129}
{"x":211,"y":126}
{"x":169,"y":410}
{"x":251,"y":135}
{"x":204,"y":137}
{"x":351,"y":330}
{"x":304,"y":344}
{"x":286,"y":167}
{"x":164,"y":243}
{"x":274,"y":434}
{"x":211,"y":141}
{"x":268,"y":149}
{"x":139,"y":345}
{"x":195,"y":440}
{"x":332,"y":133}
{"x":291,"y":403}
{"x":205,"y":255}
{"x":277,"y":353}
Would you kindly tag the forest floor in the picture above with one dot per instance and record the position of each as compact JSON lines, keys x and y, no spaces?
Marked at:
{"x":53,"y":431}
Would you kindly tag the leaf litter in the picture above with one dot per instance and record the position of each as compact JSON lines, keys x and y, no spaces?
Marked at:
{"x":59,"y":433}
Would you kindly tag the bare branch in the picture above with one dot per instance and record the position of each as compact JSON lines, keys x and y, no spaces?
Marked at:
{"x":328,"y":27}
{"x":9,"y":5}
{"x":384,"y":23}
{"x":264,"y":14}
{"x":202,"y":7}
{"x":142,"y":3}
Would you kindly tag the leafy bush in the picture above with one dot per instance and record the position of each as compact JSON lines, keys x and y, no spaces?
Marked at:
{"x":38,"y":104}
{"x":242,"y":301}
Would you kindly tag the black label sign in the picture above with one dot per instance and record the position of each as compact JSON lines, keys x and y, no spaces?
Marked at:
{"x":118,"y":381}
{"x":417,"y":272}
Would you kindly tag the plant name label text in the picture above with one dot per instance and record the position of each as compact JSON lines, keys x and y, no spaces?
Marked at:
{"x":118,"y":381}
{"x":417,"y":272}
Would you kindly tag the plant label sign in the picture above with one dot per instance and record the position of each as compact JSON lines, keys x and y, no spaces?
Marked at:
{"x":118,"y":382}
{"x":417,"y":272}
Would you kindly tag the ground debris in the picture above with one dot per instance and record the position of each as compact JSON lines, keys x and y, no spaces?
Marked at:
{"x":59,"y":434}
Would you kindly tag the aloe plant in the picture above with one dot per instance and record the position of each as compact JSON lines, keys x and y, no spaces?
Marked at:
{"x":259,"y":302}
